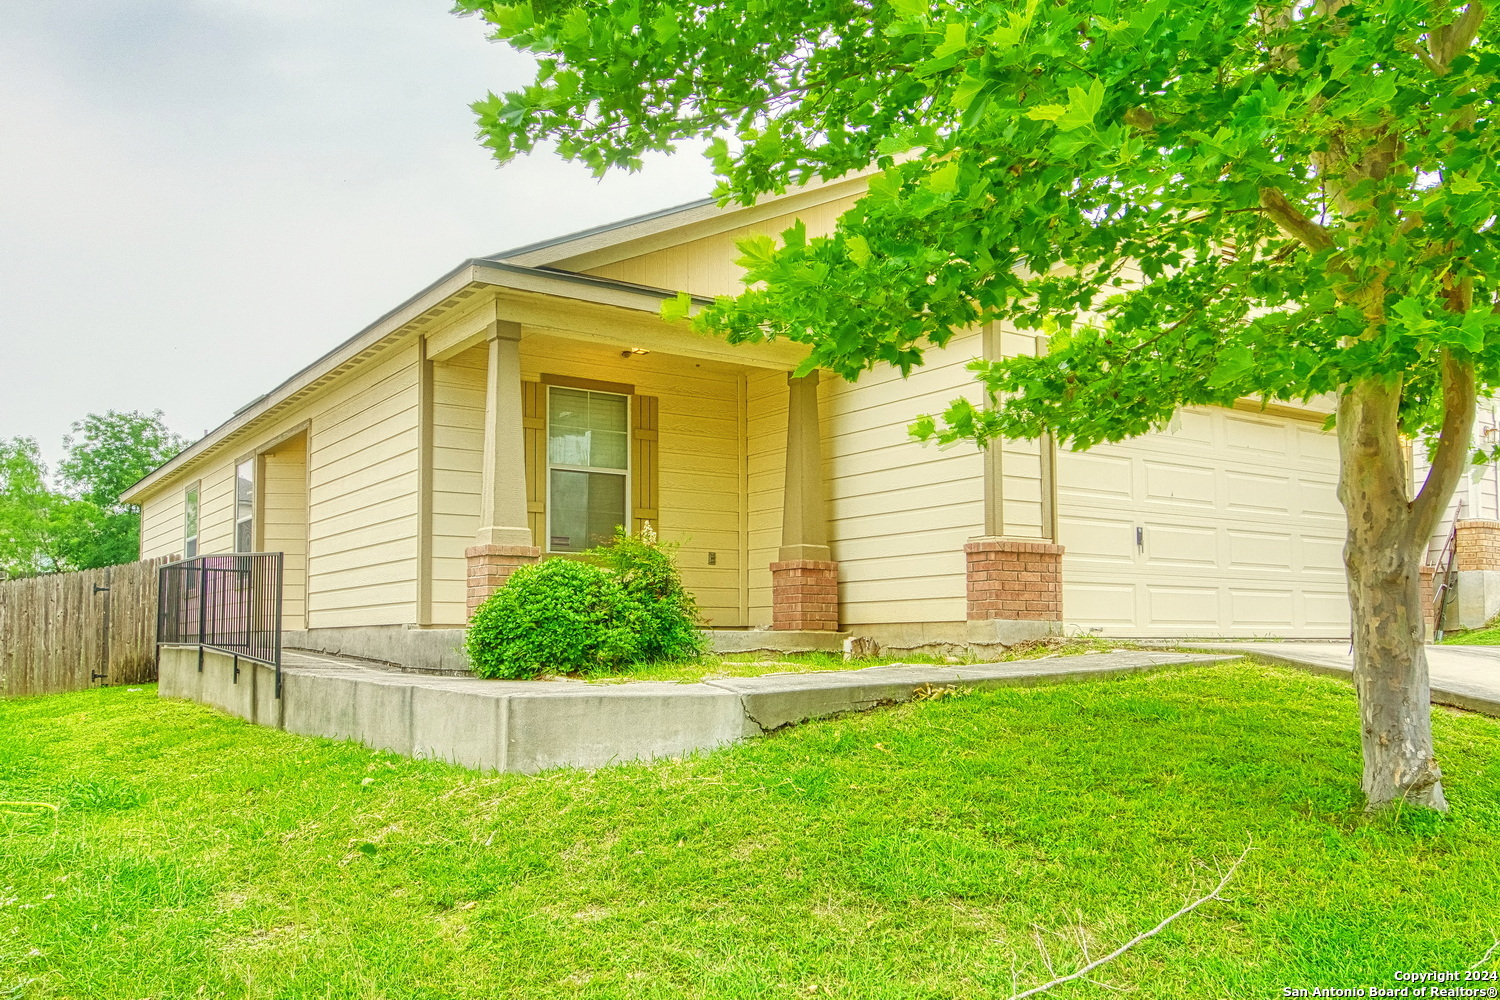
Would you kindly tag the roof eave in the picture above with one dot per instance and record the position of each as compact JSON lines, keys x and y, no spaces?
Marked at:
{"x":474,"y":270}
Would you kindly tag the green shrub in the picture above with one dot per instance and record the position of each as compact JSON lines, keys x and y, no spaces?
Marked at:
{"x":648,"y":571}
{"x":560,"y":616}
{"x":624,"y":605}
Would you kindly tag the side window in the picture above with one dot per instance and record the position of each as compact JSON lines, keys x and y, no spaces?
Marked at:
{"x":190,"y":521}
{"x":244,"y":507}
{"x":588,"y":467}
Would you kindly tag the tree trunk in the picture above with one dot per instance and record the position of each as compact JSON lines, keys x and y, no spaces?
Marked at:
{"x":1383,"y":556}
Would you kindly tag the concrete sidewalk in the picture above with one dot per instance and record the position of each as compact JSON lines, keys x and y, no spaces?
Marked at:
{"x":531,"y":726}
{"x":1465,"y":677}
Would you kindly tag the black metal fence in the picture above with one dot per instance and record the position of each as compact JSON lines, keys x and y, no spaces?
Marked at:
{"x":231,"y":603}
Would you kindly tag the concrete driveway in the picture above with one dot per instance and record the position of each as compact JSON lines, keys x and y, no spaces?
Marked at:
{"x":1462,"y":676}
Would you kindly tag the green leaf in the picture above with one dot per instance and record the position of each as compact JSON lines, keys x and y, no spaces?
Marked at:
{"x":664,"y":25}
{"x":955,"y":39}
{"x":511,"y":19}
{"x":943,"y":180}
{"x":859,"y":249}
{"x":1083,"y":106}
{"x":1142,"y":20}
{"x":676,"y":309}
{"x":1463,"y":184}
{"x":1046,"y":112}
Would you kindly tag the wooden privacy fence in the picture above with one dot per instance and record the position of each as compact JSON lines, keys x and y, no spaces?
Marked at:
{"x":77,"y":630}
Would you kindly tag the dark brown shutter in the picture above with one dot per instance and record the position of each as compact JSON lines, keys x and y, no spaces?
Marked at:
{"x":645,"y":457}
{"x":534,"y":422}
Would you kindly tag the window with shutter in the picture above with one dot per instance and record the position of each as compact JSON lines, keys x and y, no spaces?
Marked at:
{"x":588,"y":467}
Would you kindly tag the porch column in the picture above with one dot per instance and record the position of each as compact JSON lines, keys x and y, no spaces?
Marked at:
{"x":804,"y":578}
{"x":1014,"y":570}
{"x":504,"y":540}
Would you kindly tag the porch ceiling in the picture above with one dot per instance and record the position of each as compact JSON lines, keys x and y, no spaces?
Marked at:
{"x":453,"y":314}
{"x":580,"y":307}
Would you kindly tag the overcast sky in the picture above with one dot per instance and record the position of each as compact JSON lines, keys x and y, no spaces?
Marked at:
{"x":198,"y":197}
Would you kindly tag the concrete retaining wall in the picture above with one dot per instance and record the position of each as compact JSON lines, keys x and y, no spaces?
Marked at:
{"x":434,"y":650}
{"x":1476,"y":599}
{"x":531,"y":726}
{"x":487,"y":725}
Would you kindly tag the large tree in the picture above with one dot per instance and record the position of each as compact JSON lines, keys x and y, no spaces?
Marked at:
{"x":27,"y":508}
{"x":106,"y":454}
{"x":80,"y":522}
{"x":1200,"y":202}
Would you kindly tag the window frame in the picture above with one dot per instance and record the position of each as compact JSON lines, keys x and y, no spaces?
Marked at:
{"x":253,"y":463}
{"x":628,"y":473}
{"x":192,"y":506}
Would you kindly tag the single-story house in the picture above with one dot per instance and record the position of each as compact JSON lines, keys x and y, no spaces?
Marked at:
{"x":526,"y":403}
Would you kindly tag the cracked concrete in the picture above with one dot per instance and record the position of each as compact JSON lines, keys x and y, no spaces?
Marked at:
{"x":531,"y":726}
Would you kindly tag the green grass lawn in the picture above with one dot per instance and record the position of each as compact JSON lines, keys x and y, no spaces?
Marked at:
{"x":1487,"y":636}
{"x":914,"y":852}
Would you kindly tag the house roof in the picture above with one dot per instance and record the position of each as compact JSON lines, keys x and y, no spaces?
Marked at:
{"x":544,"y":280}
{"x":530,"y":268}
{"x":568,"y":242}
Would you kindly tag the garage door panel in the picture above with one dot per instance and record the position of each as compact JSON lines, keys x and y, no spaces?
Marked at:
{"x":1320,"y":501}
{"x":1111,"y":605}
{"x":1258,"y":493}
{"x":1174,"y":484}
{"x":1094,"y":474}
{"x":1243,"y":533}
{"x":1323,"y":555}
{"x":1259,"y":550}
{"x":1195,"y":607}
{"x":1170,"y":546}
{"x":1326,"y":608}
{"x":1317,"y":446}
{"x":1268,"y":437}
{"x":1270,"y":609}
{"x":1088,"y":540}
{"x":1192,"y":426}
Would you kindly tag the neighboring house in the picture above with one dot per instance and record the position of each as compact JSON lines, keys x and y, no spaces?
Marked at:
{"x":1466,"y":544}
{"x":526,"y":403}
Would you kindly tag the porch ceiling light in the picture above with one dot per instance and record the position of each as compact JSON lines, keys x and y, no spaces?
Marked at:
{"x":633,"y":351}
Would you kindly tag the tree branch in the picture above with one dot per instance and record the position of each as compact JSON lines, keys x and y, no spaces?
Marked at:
{"x":1290,"y":220}
{"x":1189,"y":908}
{"x":1451,"y":456}
{"x":1451,"y":39}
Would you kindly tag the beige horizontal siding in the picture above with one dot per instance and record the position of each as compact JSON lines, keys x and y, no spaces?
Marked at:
{"x":899,"y":510}
{"x":706,"y":266}
{"x":362,"y":468}
{"x":284,"y":515}
{"x":458,"y":391}
{"x":216,"y":509}
{"x":163,"y":529}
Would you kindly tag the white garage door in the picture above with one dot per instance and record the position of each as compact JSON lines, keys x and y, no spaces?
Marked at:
{"x":1226,"y":524}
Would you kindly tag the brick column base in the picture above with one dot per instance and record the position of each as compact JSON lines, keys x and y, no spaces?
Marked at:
{"x":1478,"y":545}
{"x":805,"y":595}
{"x":491,"y":565}
{"x":1429,"y":616}
{"x":1014,"y":579}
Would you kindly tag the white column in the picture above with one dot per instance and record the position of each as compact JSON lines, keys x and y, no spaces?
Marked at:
{"x":502,"y":496}
{"x":804,"y":512}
